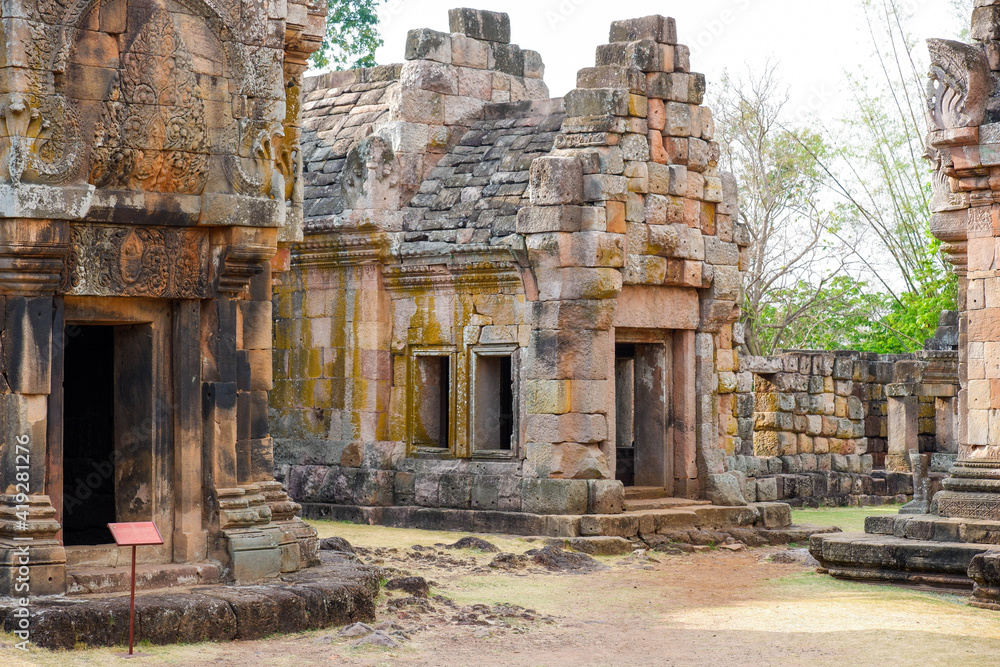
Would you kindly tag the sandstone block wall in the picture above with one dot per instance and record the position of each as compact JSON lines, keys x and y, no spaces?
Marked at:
{"x":457,"y":227}
{"x":847,"y":413}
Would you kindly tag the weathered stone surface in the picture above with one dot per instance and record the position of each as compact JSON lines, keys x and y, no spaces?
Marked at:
{"x":724,"y":489}
{"x":554,"y":496}
{"x":474,"y":543}
{"x":656,"y":28}
{"x":427,"y":44}
{"x":595,"y":546}
{"x":556,"y":181}
{"x":413,"y":585}
{"x":336,"y":544}
{"x":554,"y":558}
{"x":333,"y":595}
{"x":480,"y":24}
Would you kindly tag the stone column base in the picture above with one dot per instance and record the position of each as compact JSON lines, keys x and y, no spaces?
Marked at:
{"x":254,"y":554}
{"x":968,"y":505}
{"x":306,"y":542}
{"x":299,"y":546}
{"x":30,"y":567}
{"x":30,"y":554}
{"x":972,"y":491}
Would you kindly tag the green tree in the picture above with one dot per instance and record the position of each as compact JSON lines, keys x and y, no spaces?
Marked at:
{"x":880,"y":172}
{"x":794,"y":249}
{"x":351,"y":35}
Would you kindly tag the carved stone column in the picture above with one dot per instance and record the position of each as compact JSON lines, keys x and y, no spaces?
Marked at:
{"x":965,"y":148}
{"x":31,"y":260}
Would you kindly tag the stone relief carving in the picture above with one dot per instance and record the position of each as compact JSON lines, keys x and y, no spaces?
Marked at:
{"x":958,"y":85}
{"x":371,"y":175}
{"x":250,"y":157}
{"x":942,"y":196}
{"x":109,"y":260}
{"x":41,"y":132}
{"x":41,"y":138}
{"x":152,"y":134}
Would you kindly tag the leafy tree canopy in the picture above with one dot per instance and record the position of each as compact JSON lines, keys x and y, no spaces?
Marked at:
{"x":351,"y":35}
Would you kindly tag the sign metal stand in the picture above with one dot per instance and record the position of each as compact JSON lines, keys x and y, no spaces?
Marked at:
{"x":140,"y":533}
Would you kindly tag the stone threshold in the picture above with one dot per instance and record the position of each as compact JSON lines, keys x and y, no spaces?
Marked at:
{"x":337,"y":592}
{"x":103,"y":580}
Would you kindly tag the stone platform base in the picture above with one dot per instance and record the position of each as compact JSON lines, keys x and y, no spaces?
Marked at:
{"x":771,"y":523}
{"x":921,"y":549}
{"x":337,"y":592}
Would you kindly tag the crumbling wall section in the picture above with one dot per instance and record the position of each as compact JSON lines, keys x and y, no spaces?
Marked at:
{"x":842,"y":427}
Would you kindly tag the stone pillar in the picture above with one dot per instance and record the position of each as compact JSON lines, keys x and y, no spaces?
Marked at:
{"x":189,"y":540}
{"x":31,"y":254}
{"x":242,"y":536}
{"x":946,"y":418}
{"x":570,"y":357}
{"x":965,"y":149}
{"x":902,"y":428}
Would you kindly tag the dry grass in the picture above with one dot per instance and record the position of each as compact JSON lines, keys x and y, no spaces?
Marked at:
{"x":703,"y":609}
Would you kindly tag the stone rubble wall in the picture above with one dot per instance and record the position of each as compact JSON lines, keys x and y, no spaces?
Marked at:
{"x":838,"y":427}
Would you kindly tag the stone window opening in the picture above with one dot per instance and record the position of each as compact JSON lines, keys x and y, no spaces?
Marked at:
{"x":431,"y":401}
{"x":493,"y":410}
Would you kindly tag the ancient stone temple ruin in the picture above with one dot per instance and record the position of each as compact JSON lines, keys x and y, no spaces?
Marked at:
{"x":508,"y":307}
{"x":149,"y":167}
{"x":957,"y":541}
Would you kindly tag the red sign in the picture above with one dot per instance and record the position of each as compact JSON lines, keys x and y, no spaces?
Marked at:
{"x":138,"y":533}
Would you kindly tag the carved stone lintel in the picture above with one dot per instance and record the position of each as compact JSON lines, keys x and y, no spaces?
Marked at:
{"x":109,"y":260}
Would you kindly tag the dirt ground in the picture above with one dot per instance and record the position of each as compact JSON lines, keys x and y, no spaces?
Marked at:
{"x":711,"y":608}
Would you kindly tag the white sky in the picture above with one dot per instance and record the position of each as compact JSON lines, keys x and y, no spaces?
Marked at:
{"x":813,"y":40}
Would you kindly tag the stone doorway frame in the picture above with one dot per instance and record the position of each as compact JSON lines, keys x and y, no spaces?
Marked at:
{"x":677,"y":464}
{"x":144,"y":352}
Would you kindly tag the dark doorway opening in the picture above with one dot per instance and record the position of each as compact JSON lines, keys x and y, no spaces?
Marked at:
{"x":88,"y":435}
{"x":643,"y":423}
{"x":625,"y":413}
{"x":432,"y":393}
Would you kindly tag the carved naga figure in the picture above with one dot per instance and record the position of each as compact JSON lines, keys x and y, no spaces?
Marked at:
{"x":371,"y":176}
{"x":958,"y":85}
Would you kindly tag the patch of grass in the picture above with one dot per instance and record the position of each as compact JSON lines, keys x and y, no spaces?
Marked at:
{"x":848,"y":519}
{"x":810,"y":582}
{"x":374,"y":537}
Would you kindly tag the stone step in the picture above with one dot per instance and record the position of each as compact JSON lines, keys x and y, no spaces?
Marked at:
{"x":105,"y":580}
{"x":626,"y":524}
{"x":875,"y":557}
{"x":935,"y":528}
{"x":700,"y":517}
{"x":641,"y":504}
{"x":645,"y":492}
